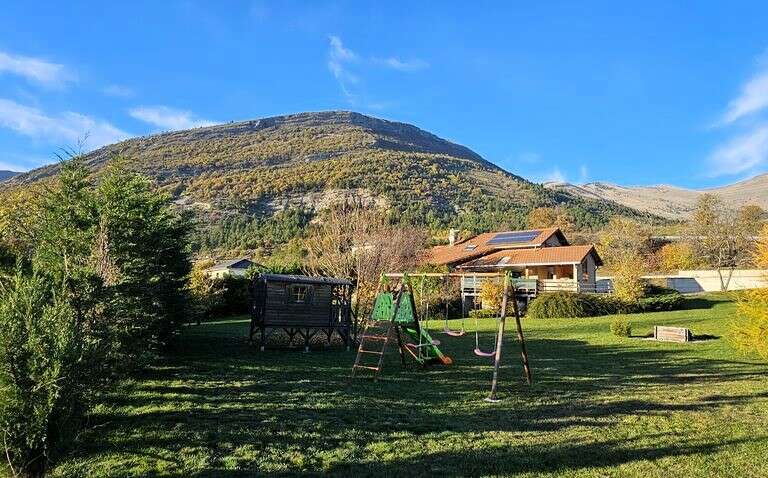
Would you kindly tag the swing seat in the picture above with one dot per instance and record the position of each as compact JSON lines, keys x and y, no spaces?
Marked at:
{"x":452,"y":333}
{"x":480,"y":353}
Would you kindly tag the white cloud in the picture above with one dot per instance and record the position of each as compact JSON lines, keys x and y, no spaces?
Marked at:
{"x":554,"y":176}
{"x":342,"y":60}
{"x":338,"y":58}
{"x":400,"y":65}
{"x":35,"y":69}
{"x":67,"y":127}
{"x":339,"y":51}
{"x":119,"y":91}
{"x":753,"y":98}
{"x":583,"y":174}
{"x":741,"y":154}
{"x":168,"y":118}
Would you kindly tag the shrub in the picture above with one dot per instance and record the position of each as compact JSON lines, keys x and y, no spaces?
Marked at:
{"x":750,"y":329}
{"x":671,"y":300}
{"x":659,"y":299}
{"x":483,"y":313}
{"x":569,"y":304}
{"x":621,"y":328}
{"x":43,"y":373}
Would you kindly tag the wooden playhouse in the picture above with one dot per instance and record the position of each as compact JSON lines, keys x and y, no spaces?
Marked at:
{"x":300,"y":306}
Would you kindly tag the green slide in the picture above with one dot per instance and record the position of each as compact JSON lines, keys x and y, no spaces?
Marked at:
{"x":423,"y":348}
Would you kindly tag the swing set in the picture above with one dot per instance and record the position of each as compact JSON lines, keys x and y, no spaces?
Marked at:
{"x":394,"y":313}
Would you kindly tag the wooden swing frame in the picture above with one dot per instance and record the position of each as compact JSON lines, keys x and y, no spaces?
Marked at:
{"x":508,"y":292}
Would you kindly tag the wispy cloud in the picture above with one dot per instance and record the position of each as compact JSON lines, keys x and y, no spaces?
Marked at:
{"x":342,"y":61}
{"x":36,"y":70}
{"x":339,"y":58}
{"x":167,"y":118}
{"x":747,"y":152}
{"x":753,"y":98}
{"x":119,"y":91}
{"x":396,"y":63}
{"x":741,"y":154}
{"x":67,"y":128}
{"x":553,"y":176}
{"x":583,"y":174}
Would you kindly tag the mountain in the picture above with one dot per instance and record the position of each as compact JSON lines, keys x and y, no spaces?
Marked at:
{"x":7,"y":174}
{"x":310,"y":160}
{"x":669,"y":201}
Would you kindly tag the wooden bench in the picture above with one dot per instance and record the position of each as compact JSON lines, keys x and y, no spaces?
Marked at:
{"x":672,"y":334}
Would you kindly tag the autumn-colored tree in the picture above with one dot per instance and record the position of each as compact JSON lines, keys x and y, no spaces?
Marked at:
{"x":623,"y":237}
{"x":627,"y":279}
{"x":751,"y":217}
{"x":542,"y":217}
{"x":491,"y":294}
{"x":624,"y":244}
{"x":360,"y":244}
{"x":677,"y":256}
{"x":720,"y":238}
{"x":751,"y":327}
{"x":202,"y":290}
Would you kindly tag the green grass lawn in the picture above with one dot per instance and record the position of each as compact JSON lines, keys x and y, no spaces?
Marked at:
{"x":600,"y":406}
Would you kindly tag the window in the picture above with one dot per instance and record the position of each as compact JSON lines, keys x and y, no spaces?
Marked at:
{"x":298,"y":294}
{"x":470,"y":247}
{"x":551,"y":272}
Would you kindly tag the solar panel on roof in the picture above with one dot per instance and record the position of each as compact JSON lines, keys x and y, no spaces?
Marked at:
{"x":514,"y":237}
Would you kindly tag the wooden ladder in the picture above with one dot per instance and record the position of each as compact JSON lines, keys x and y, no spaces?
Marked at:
{"x":373,"y":344}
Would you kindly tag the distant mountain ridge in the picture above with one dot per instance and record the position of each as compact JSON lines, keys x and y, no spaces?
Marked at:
{"x":670,"y":201}
{"x":4,"y":174}
{"x":262,"y":166}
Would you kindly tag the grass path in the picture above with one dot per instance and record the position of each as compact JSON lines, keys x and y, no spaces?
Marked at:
{"x":600,"y":406}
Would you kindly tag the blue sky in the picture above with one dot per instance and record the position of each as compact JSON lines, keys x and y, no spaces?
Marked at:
{"x":581,"y":91}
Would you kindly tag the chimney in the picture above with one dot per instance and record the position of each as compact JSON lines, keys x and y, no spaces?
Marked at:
{"x":452,"y":236}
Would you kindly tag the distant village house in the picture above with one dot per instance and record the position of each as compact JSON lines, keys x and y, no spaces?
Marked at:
{"x":233,"y":267}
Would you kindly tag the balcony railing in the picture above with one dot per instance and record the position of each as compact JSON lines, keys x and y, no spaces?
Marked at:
{"x":531,"y":287}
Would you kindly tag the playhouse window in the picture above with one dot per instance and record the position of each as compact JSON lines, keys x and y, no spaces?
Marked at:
{"x":299,"y":294}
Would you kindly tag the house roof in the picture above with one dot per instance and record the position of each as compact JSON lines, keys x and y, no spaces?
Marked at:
{"x":242,"y":263}
{"x":299,"y":279}
{"x":544,"y":256}
{"x":481,"y":245}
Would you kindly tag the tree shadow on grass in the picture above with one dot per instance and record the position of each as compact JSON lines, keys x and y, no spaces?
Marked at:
{"x":217,"y":395}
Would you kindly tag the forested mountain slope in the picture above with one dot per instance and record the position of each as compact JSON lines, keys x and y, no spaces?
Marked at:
{"x":255,"y":169}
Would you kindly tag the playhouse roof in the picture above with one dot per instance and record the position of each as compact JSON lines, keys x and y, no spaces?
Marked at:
{"x":299,"y":279}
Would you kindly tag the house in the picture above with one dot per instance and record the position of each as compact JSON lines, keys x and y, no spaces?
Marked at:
{"x":542,"y":260}
{"x":233,"y":267}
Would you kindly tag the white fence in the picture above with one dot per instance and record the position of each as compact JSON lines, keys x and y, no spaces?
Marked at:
{"x":707,"y":280}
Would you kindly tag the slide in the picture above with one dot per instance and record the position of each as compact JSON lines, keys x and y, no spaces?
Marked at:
{"x":406,"y":318}
{"x":429,"y":351}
